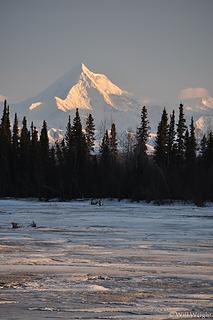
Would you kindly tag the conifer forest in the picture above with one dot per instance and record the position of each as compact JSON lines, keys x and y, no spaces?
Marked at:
{"x":180,"y":168}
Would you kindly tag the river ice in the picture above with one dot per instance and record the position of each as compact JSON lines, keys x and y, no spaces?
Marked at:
{"x":120,"y":261}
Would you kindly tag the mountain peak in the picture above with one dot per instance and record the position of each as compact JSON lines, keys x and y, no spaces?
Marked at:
{"x":89,"y":83}
{"x":81,"y":88}
{"x":87,"y":72}
{"x":84,"y":67}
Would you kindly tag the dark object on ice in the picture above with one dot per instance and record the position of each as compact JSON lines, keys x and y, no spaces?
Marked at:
{"x":100,"y":203}
{"x":15,"y":225}
{"x":163,"y":202}
{"x":96,"y":202}
{"x":33,"y":224}
{"x":200,"y":203}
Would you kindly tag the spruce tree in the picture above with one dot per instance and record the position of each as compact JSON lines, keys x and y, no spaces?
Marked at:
{"x":15,"y":170}
{"x":44,"y":142}
{"x":8,"y":126}
{"x":5,"y":132}
{"x":77,"y":127}
{"x":181,"y":128}
{"x":44,"y":160}
{"x":78,"y":138}
{"x":105,"y":165}
{"x":66,"y":154}
{"x":35,"y":160}
{"x":192,"y":142}
{"x":24,"y":141}
{"x":25,"y":137}
{"x":68,"y":135}
{"x":171,"y":139}
{"x":53,"y":177}
{"x":60,"y":167}
{"x":161,"y":143}
{"x":113,"y":144}
{"x":5,"y":152}
{"x":80,"y":157}
{"x":15,"y":136}
{"x":90,"y":133}
{"x":142,"y":134}
{"x":105,"y":149}
{"x":24,"y":159}
{"x":34,"y":136}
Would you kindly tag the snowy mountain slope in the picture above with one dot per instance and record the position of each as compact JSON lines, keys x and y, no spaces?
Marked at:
{"x":95,"y":93}
{"x":207,"y":102}
{"x":80,"y":96}
{"x":201,"y":109}
{"x":90,"y":92}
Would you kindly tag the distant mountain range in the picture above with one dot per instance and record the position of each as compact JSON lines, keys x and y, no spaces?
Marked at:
{"x":90,"y":92}
{"x":95,"y":93}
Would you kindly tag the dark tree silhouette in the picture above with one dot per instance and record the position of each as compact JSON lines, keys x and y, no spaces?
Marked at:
{"x":161,"y":142}
{"x":171,"y":139}
{"x":90,"y":133}
{"x":181,"y":128}
{"x":30,"y":166}
{"x":24,"y":159}
{"x":143,"y":132}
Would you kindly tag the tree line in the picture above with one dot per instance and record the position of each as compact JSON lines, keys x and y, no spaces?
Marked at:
{"x":179,"y":168}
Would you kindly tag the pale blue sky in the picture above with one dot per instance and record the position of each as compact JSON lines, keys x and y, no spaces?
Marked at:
{"x":153,"y":48}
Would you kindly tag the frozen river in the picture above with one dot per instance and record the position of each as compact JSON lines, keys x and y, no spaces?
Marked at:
{"x":119,"y":261}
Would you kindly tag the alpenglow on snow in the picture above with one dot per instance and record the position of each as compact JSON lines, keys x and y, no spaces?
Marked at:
{"x":95,"y":93}
{"x":90,"y":92}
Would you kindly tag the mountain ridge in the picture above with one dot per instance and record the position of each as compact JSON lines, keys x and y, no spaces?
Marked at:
{"x":83,"y":89}
{"x":95,"y":93}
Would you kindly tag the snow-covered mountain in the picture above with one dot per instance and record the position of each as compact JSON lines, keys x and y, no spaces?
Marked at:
{"x":95,"y":93}
{"x":201,"y":109}
{"x":207,"y":102}
{"x":91,"y":93}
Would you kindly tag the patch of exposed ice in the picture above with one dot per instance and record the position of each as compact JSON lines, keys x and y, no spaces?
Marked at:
{"x":95,"y":287}
{"x":7,"y":301}
{"x":43,"y":309}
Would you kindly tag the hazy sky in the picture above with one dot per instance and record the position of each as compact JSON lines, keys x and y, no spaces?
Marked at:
{"x":153,"y":48}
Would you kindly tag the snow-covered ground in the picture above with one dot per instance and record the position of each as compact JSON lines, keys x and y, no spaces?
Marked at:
{"x":119,"y":261}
